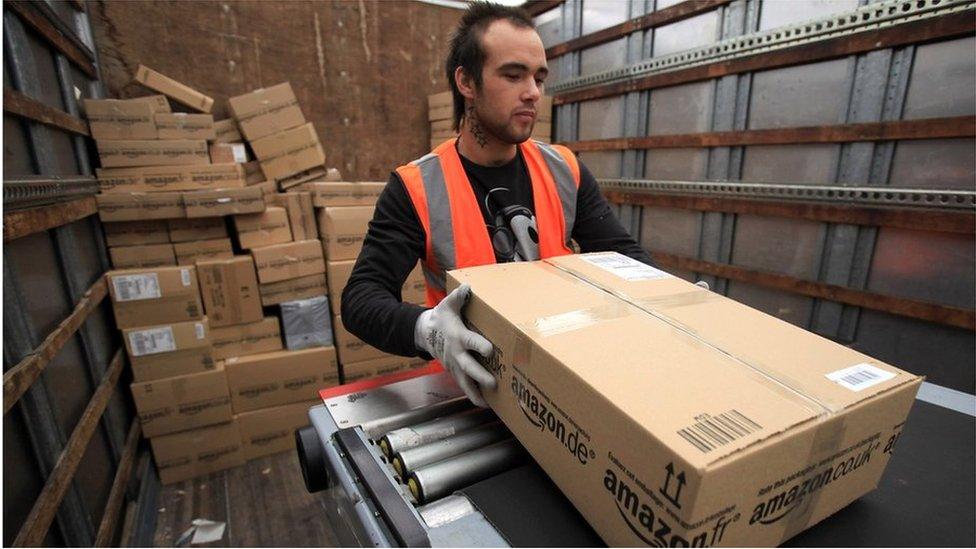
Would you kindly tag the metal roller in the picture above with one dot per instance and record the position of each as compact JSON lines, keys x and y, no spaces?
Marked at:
{"x":430,"y":431}
{"x":382,"y":425}
{"x":444,"y":477}
{"x":411,"y":459}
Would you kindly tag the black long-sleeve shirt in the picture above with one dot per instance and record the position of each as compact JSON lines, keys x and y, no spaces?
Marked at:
{"x":371,"y":301}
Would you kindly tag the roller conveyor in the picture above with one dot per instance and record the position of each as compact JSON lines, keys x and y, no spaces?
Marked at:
{"x":370,"y":503}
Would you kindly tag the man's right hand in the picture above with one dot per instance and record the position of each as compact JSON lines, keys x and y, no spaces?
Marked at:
{"x":441,"y":332}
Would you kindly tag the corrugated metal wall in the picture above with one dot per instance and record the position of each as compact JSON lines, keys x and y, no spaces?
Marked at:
{"x":46,"y":273}
{"x":934,"y":79}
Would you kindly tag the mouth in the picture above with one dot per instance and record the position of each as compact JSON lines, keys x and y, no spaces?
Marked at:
{"x":525,"y":116}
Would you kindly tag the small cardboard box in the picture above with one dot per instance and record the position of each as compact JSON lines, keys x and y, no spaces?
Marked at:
{"x":230,"y":291}
{"x":189,"y":454}
{"x":343,"y":231}
{"x":290,"y":260}
{"x":387,"y":364}
{"x":182,"y":402}
{"x":120,"y":118}
{"x":181,"y":93}
{"x":246,"y":339}
{"x":326,"y":195}
{"x":142,"y":152}
{"x":350,"y":348}
{"x":227,"y":131}
{"x":301,"y":213}
{"x":263,"y":229}
{"x":131,"y":233}
{"x":272,"y":430}
{"x":268,"y":188}
{"x":306,"y":323}
{"x":415,"y":288}
{"x":280,"y":377}
{"x":220,"y":202}
{"x":663,"y":409}
{"x":180,"y":125}
{"x":139,"y":206}
{"x":143,"y":255}
{"x":253,"y":174}
{"x":266,"y":111}
{"x":167,"y":350}
{"x":200,"y":228}
{"x":143,"y":297}
{"x":170,"y":178}
{"x":188,"y":253}
{"x":303,"y":287}
{"x":289,"y":152}
{"x":339,"y":273}
{"x":228,"y":152}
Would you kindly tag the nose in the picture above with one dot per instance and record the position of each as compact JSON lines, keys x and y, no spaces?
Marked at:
{"x":533,"y":93}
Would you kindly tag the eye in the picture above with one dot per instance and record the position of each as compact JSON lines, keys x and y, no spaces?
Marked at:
{"x":513,"y":77}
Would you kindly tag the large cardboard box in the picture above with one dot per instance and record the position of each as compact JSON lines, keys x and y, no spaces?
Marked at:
{"x":230,"y":291}
{"x":170,"y":178}
{"x":289,"y":152}
{"x":303,"y":287}
{"x":290,"y":260}
{"x":182,"y":402}
{"x":350,"y":348}
{"x":143,"y":255}
{"x":143,"y":152}
{"x":246,"y":339}
{"x":180,"y":125}
{"x":339,"y":273}
{"x":120,"y":118}
{"x":664,"y":410}
{"x":266,"y":111}
{"x":343,"y":230}
{"x":220,"y":202}
{"x":188,"y":253}
{"x":167,"y":350}
{"x":181,"y":93}
{"x":189,"y":454}
{"x":131,"y":233}
{"x":280,"y":377}
{"x":263,"y":229}
{"x":143,"y":297}
{"x":386,"y":364}
{"x":272,"y":430}
{"x":227,"y":131}
{"x":328,"y":194}
{"x":139,"y":206}
{"x":301,"y":213}
{"x":200,"y":228}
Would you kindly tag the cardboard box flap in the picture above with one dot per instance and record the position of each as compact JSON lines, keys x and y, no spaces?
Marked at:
{"x":831,"y":375}
{"x":685,"y":394}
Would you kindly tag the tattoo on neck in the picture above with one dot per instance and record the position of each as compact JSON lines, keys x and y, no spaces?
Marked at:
{"x":475,"y":126}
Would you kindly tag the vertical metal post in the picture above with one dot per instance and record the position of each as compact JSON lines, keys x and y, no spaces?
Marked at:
{"x":635,"y":120}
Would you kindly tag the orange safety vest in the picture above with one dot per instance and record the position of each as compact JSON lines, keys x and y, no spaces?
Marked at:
{"x":455,"y":228}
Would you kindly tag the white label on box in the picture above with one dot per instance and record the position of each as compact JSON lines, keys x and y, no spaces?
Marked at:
{"x":152,"y":341}
{"x":859,"y":377}
{"x":136,"y":287}
{"x":199,"y":328}
{"x":240,"y":154}
{"x":625,"y":267}
{"x":185,"y":276}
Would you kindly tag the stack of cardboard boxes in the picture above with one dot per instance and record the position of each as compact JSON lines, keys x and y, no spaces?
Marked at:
{"x":440,"y":113}
{"x":344,"y":210}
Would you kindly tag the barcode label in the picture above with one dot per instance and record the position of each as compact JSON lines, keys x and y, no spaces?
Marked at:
{"x":152,"y":341}
{"x":708,"y":432}
{"x":199,"y":329}
{"x":185,"y":276}
{"x":860,"y":376}
{"x":240,"y":155}
{"x":136,"y":287}
{"x":625,"y":267}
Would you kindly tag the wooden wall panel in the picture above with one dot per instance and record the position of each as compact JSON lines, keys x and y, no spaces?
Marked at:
{"x":362,"y":70}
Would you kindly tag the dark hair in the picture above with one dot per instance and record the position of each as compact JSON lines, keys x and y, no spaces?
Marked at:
{"x":467,"y":51}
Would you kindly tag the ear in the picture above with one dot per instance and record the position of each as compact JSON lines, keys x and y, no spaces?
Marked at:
{"x":465,"y":83}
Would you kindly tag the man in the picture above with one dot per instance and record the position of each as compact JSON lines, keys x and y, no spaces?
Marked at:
{"x":491,"y":195}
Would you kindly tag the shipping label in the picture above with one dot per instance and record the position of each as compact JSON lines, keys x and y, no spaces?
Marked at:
{"x":625,"y":267}
{"x":152,"y":341}
{"x":136,"y":287}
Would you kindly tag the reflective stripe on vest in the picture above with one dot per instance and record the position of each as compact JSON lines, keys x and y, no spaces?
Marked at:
{"x":448,"y":210}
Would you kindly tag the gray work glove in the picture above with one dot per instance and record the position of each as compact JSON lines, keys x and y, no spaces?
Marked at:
{"x":441,"y":332}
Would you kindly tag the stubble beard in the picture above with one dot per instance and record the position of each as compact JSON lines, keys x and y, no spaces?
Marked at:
{"x":484,"y":131}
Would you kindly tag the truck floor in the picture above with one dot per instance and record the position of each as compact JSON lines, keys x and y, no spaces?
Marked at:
{"x":263,"y":502}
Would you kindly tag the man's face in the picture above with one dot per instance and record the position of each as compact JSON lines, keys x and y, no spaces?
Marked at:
{"x":512,"y":77}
